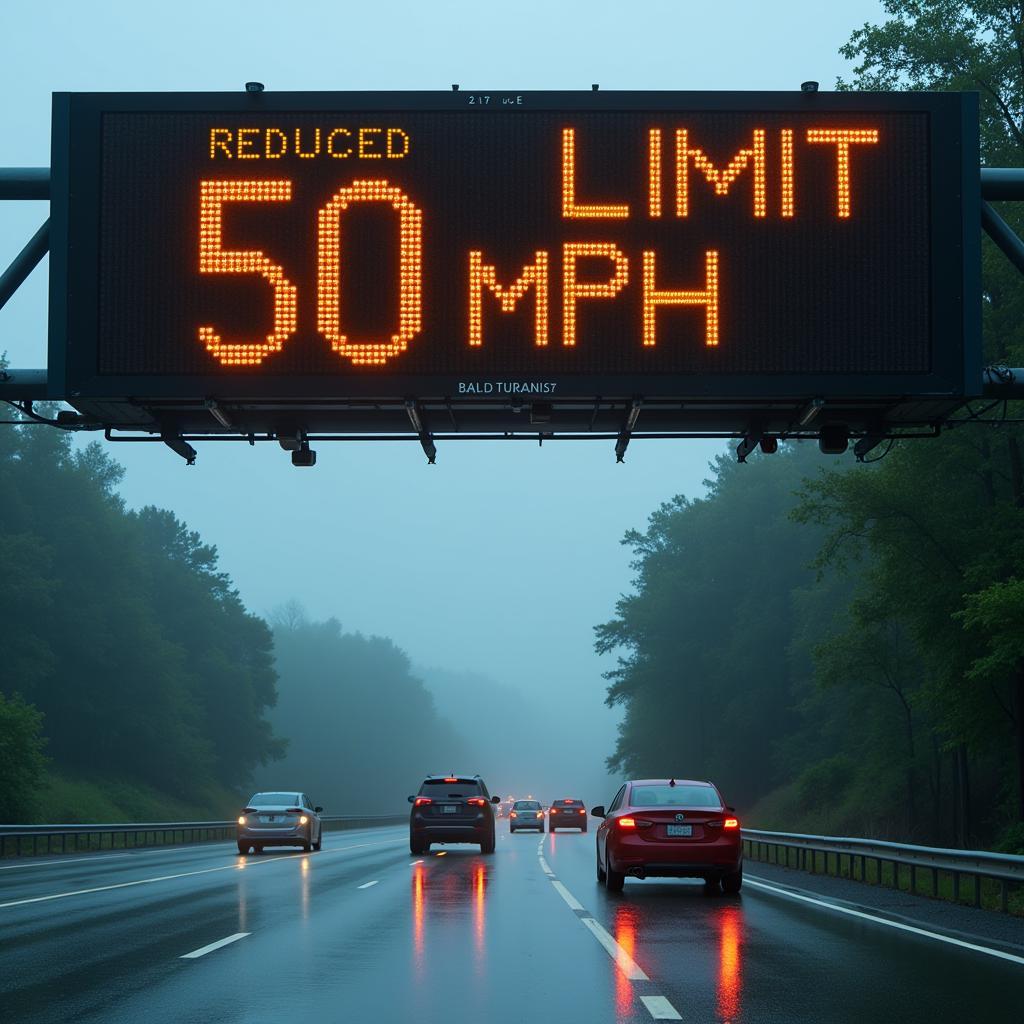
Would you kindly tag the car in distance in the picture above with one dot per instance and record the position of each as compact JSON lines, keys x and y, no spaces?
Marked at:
{"x":567,"y":813}
{"x":452,"y":809}
{"x":526,"y":814}
{"x":664,"y":828}
{"x":279,"y":819}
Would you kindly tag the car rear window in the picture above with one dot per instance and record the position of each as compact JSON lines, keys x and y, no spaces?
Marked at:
{"x":527,"y":805}
{"x":274,"y":800}
{"x":673,"y":796}
{"x":440,"y":788}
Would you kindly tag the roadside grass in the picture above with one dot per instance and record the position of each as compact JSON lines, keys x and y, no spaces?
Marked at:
{"x":922,"y":881}
{"x":65,"y":801}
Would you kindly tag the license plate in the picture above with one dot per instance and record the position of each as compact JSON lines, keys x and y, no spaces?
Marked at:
{"x":680,"y":830}
{"x":265,"y":818}
{"x":449,"y":809}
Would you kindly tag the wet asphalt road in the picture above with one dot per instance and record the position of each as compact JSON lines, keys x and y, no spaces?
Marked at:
{"x":364,"y":932}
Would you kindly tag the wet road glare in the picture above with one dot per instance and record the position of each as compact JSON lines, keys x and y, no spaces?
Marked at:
{"x":364,"y":931}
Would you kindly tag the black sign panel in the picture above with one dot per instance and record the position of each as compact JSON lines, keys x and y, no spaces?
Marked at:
{"x":567,"y":245}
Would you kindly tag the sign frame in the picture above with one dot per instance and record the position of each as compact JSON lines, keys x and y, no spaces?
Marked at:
{"x":955,"y":333}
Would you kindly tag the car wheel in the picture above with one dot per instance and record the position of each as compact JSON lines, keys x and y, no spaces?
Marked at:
{"x":487,"y":846}
{"x":583,"y":829}
{"x":711,"y":886}
{"x":733,"y":881}
{"x":511,"y":830}
{"x":308,"y":844}
{"x":243,"y":849}
{"x":600,"y":870}
{"x":415,"y":848}
{"x":613,"y":880}
{"x":257,"y":848}
{"x":319,"y":840}
{"x":551,"y":829}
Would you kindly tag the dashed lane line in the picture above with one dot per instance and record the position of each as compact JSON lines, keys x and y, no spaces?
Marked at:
{"x":849,"y":911}
{"x":238,"y":866}
{"x":660,"y":1008}
{"x":574,"y":904}
{"x":366,"y":885}
{"x":625,"y":963}
{"x":656,"y":1005}
{"x":203,"y":950}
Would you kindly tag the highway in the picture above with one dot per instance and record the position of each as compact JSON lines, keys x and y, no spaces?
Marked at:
{"x":362,"y":931}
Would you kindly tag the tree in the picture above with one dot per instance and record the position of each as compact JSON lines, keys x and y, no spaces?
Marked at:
{"x":21,"y":758}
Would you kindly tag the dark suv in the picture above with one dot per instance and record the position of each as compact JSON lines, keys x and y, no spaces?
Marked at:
{"x":567,"y":813}
{"x":452,"y":809}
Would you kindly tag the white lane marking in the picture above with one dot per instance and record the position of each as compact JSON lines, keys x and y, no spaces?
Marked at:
{"x":246,"y":865}
{"x":889,"y":924}
{"x":57,"y":859}
{"x":366,"y":885}
{"x":574,"y":903}
{"x":547,"y":870}
{"x":415,"y":862}
{"x":629,"y":967}
{"x":70,"y":860}
{"x":203,"y":950}
{"x":660,"y":1008}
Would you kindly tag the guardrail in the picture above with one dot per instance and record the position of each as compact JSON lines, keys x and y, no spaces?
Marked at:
{"x":25,"y":840}
{"x":808,"y":851}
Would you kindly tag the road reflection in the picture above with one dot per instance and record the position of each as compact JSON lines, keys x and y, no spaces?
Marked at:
{"x":479,"y":908}
{"x":418,"y":905}
{"x":625,"y":936}
{"x":304,"y":874}
{"x":729,"y":923}
{"x":442,"y":899}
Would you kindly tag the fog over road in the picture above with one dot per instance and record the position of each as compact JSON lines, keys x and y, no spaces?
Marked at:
{"x":363,"y":931}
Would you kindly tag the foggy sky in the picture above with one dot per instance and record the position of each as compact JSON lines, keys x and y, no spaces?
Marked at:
{"x":502,"y":557}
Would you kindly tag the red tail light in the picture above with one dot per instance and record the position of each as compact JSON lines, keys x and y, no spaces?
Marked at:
{"x":451,"y":780}
{"x":513,"y":815}
{"x":477,"y":801}
{"x":731,"y":823}
{"x":582,"y":811}
{"x":540,"y":814}
{"x":421,"y":800}
{"x":627,"y":823}
{"x":554,"y":810}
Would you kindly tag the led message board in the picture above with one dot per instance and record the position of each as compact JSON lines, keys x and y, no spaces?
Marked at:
{"x":471,"y":245}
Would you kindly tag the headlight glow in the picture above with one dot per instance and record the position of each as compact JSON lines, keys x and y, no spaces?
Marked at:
{"x":303,"y":820}
{"x":241,"y":819}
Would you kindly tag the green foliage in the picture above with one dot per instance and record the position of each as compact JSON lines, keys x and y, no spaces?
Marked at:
{"x":21,"y":758}
{"x":121,"y":630}
{"x":955,"y":45}
{"x":707,"y":676}
{"x":884,"y":693}
{"x":340,"y":693}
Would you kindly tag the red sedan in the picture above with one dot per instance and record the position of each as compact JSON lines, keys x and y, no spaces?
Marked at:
{"x":669,"y":828}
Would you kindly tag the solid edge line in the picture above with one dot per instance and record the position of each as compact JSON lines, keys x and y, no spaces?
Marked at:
{"x":203,"y":950}
{"x":888,"y":924}
{"x":629,"y":967}
{"x":238,"y":865}
{"x":660,"y":1008}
